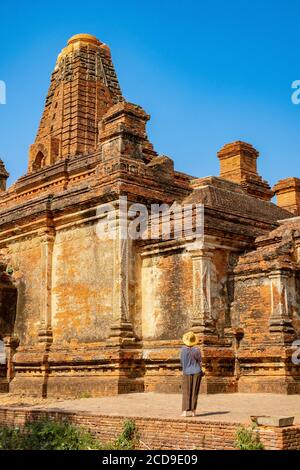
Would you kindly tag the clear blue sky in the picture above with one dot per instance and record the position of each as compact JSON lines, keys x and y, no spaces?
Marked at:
{"x":207,"y":72}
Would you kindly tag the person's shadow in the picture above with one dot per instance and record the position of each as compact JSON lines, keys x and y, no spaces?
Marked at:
{"x":212,"y":413}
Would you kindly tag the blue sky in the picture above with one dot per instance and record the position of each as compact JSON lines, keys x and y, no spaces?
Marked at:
{"x":208,"y":73}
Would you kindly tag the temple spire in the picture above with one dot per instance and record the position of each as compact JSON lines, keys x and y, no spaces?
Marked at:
{"x":83,"y":87}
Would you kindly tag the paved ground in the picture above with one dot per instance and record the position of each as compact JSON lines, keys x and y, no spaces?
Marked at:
{"x":221,"y":407}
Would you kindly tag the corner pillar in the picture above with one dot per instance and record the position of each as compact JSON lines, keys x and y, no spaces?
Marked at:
{"x":11,"y":343}
{"x":280,"y":322}
{"x":202,"y":321}
{"x":45,"y":329}
{"x":121,"y":332}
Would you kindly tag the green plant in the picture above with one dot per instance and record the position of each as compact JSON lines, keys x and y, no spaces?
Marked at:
{"x":46,"y":434}
{"x":57,"y":435}
{"x":248,"y":439}
{"x":84,"y":395}
{"x":11,"y":438}
{"x":127,"y":440}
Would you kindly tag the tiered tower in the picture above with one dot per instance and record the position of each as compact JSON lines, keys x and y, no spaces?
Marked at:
{"x":83,"y":87}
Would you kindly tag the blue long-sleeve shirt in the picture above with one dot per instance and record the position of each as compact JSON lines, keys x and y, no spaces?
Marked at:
{"x":191,"y":360}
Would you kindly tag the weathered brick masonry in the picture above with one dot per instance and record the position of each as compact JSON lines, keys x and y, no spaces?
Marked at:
{"x":178,"y":433}
{"x":80,"y":313}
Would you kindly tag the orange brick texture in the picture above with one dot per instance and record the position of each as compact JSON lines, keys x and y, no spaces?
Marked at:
{"x":84,"y":313}
{"x":177,"y":434}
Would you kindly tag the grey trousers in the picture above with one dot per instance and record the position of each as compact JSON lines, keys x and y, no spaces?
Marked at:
{"x":190,"y":391}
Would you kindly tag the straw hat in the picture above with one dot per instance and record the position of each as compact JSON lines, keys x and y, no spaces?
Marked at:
{"x":190,"y":339}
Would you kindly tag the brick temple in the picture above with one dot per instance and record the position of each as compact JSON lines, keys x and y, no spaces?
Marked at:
{"x":83,"y":314}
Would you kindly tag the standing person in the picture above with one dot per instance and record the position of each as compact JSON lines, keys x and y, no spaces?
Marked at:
{"x":191,"y":362}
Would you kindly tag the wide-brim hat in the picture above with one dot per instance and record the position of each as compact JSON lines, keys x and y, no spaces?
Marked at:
{"x":190,"y":339}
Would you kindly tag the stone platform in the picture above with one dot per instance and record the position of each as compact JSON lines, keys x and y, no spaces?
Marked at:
{"x":158,"y":418}
{"x":235,"y":407}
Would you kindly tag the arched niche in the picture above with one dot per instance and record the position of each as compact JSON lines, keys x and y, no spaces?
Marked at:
{"x":39,"y":161}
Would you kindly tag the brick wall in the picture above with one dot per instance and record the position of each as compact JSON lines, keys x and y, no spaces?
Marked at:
{"x":163,"y":434}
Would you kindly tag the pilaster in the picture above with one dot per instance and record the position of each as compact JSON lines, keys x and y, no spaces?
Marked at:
{"x":202,"y":322}
{"x":47,"y":239}
{"x":280,"y":320}
{"x":121,"y":329}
